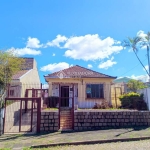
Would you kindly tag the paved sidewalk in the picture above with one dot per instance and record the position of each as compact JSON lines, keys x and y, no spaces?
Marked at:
{"x":98,"y":136}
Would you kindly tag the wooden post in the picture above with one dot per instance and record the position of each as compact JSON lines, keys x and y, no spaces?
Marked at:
{"x":26,"y":102}
{"x":38,"y":114}
{"x":73,"y":107}
{"x":59,"y":105}
{"x":32,"y":115}
{"x":4,"y":116}
{"x":115,"y":98}
{"x":20,"y":116}
{"x":41,"y":89}
{"x":8,"y":90}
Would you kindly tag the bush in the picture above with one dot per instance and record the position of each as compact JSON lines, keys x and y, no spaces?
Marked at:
{"x":133,"y":101}
{"x":103,"y":105}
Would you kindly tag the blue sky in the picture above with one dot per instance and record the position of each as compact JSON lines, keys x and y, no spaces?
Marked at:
{"x":83,"y":32}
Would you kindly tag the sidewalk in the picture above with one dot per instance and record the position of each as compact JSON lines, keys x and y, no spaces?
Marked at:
{"x":98,"y":136}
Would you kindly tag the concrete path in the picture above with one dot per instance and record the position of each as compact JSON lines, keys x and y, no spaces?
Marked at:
{"x":100,"y":136}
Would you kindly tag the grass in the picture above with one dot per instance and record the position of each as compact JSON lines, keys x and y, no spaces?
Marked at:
{"x":51,"y":109}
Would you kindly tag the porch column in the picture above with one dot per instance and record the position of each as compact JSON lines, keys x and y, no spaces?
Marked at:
{"x":79,"y":92}
{"x":50,"y":89}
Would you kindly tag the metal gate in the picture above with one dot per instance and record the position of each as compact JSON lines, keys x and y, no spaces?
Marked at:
{"x":22,"y":115}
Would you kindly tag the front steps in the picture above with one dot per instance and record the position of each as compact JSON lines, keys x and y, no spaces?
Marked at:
{"x":65,"y":119}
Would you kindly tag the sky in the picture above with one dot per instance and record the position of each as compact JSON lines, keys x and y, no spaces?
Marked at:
{"x":59,"y":34}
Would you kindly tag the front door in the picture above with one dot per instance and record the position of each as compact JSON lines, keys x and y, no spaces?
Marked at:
{"x":64,"y":96}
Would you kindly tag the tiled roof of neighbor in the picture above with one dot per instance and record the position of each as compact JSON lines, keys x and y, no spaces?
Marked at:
{"x":19,"y":74}
{"x":78,"y":71}
{"x":28,"y":65}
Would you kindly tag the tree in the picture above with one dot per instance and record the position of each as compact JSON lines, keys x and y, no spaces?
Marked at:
{"x":146,"y":42}
{"x":9,"y":65}
{"x":134,"y":43}
{"x":135,"y":85}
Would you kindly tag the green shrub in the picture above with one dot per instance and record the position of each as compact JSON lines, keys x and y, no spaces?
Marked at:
{"x":133,"y":101}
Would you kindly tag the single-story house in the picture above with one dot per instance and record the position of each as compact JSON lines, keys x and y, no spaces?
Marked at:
{"x":85,"y":86}
{"x":26,"y":78}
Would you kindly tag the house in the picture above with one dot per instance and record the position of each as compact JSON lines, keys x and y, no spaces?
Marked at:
{"x":86,"y":87}
{"x":122,"y":83}
{"x":26,"y":78}
{"x":119,"y":87}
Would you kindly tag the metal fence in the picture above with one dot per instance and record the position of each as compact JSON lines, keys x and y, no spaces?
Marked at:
{"x":17,"y":90}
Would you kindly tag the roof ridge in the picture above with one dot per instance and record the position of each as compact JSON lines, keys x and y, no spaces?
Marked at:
{"x":61,"y":70}
{"x":94,"y":71}
{"x":83,"y":68}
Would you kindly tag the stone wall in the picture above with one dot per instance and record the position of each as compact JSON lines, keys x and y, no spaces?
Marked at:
{"x":49,"y":121}
{"x":96,"y":119}
{"x":90,"y":120}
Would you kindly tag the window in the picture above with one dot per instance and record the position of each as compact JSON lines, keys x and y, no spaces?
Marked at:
{"x":11,"y":92}
{"x":94,"y":91}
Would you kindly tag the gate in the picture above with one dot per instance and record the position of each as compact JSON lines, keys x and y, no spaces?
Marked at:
{"x":22,"y":115}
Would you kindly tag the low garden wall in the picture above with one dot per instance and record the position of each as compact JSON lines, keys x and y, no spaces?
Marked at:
{"x":49,"y":121}
{"x":97,"y":119}
{"x":88,"y":120}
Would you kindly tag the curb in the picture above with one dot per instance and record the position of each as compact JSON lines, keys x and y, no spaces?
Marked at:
{"x":91,"y":142}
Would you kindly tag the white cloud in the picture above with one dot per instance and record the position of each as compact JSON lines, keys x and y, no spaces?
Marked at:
{"x":90,"y":66}
{"x":45,"y":86}
{"x":33,"y":43}
{"x":141,"y":34}
{"x":146,"y":68}
{"x":25,"y":51}
{"x":107,"y":64}
{"x":88,"y":47}
{"x":56,"y":42}
{"x":143,"y":78}
{"x":54,"y":54}
{"x":55,"y":67}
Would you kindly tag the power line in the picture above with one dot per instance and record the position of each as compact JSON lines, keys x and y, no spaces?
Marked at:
{"x":132,"y":68}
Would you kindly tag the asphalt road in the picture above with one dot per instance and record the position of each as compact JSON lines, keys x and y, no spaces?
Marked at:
{"x":136,"y":145}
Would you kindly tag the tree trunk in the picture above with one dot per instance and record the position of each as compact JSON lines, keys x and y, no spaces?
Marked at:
{"x":140,"y":61}
{"x":148,"y":61}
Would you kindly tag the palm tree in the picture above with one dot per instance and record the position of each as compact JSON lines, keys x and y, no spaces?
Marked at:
{"x":133,"y":43}
{"x":146,"y":43}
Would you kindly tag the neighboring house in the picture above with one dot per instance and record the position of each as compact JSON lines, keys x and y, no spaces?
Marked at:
{"x":87,"y":86}
{"x":122,"y":83}
{"x":26,"y":78}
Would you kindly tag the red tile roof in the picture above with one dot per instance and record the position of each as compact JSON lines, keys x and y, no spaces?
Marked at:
{"x":28,"y":65}
{"x":19,"y":74}
{"x":78,"y":71}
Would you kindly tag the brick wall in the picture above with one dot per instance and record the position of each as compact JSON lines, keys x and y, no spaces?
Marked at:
{"x":96,"y":119}
{"x":88,"y":120}
{"x":49,"y":121}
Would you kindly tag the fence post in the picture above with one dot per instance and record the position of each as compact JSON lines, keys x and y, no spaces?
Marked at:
{"x":8,"y":90}
{"x":59,"y":105}
{"x":73,"y":107}
{"x":38,"y":115}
